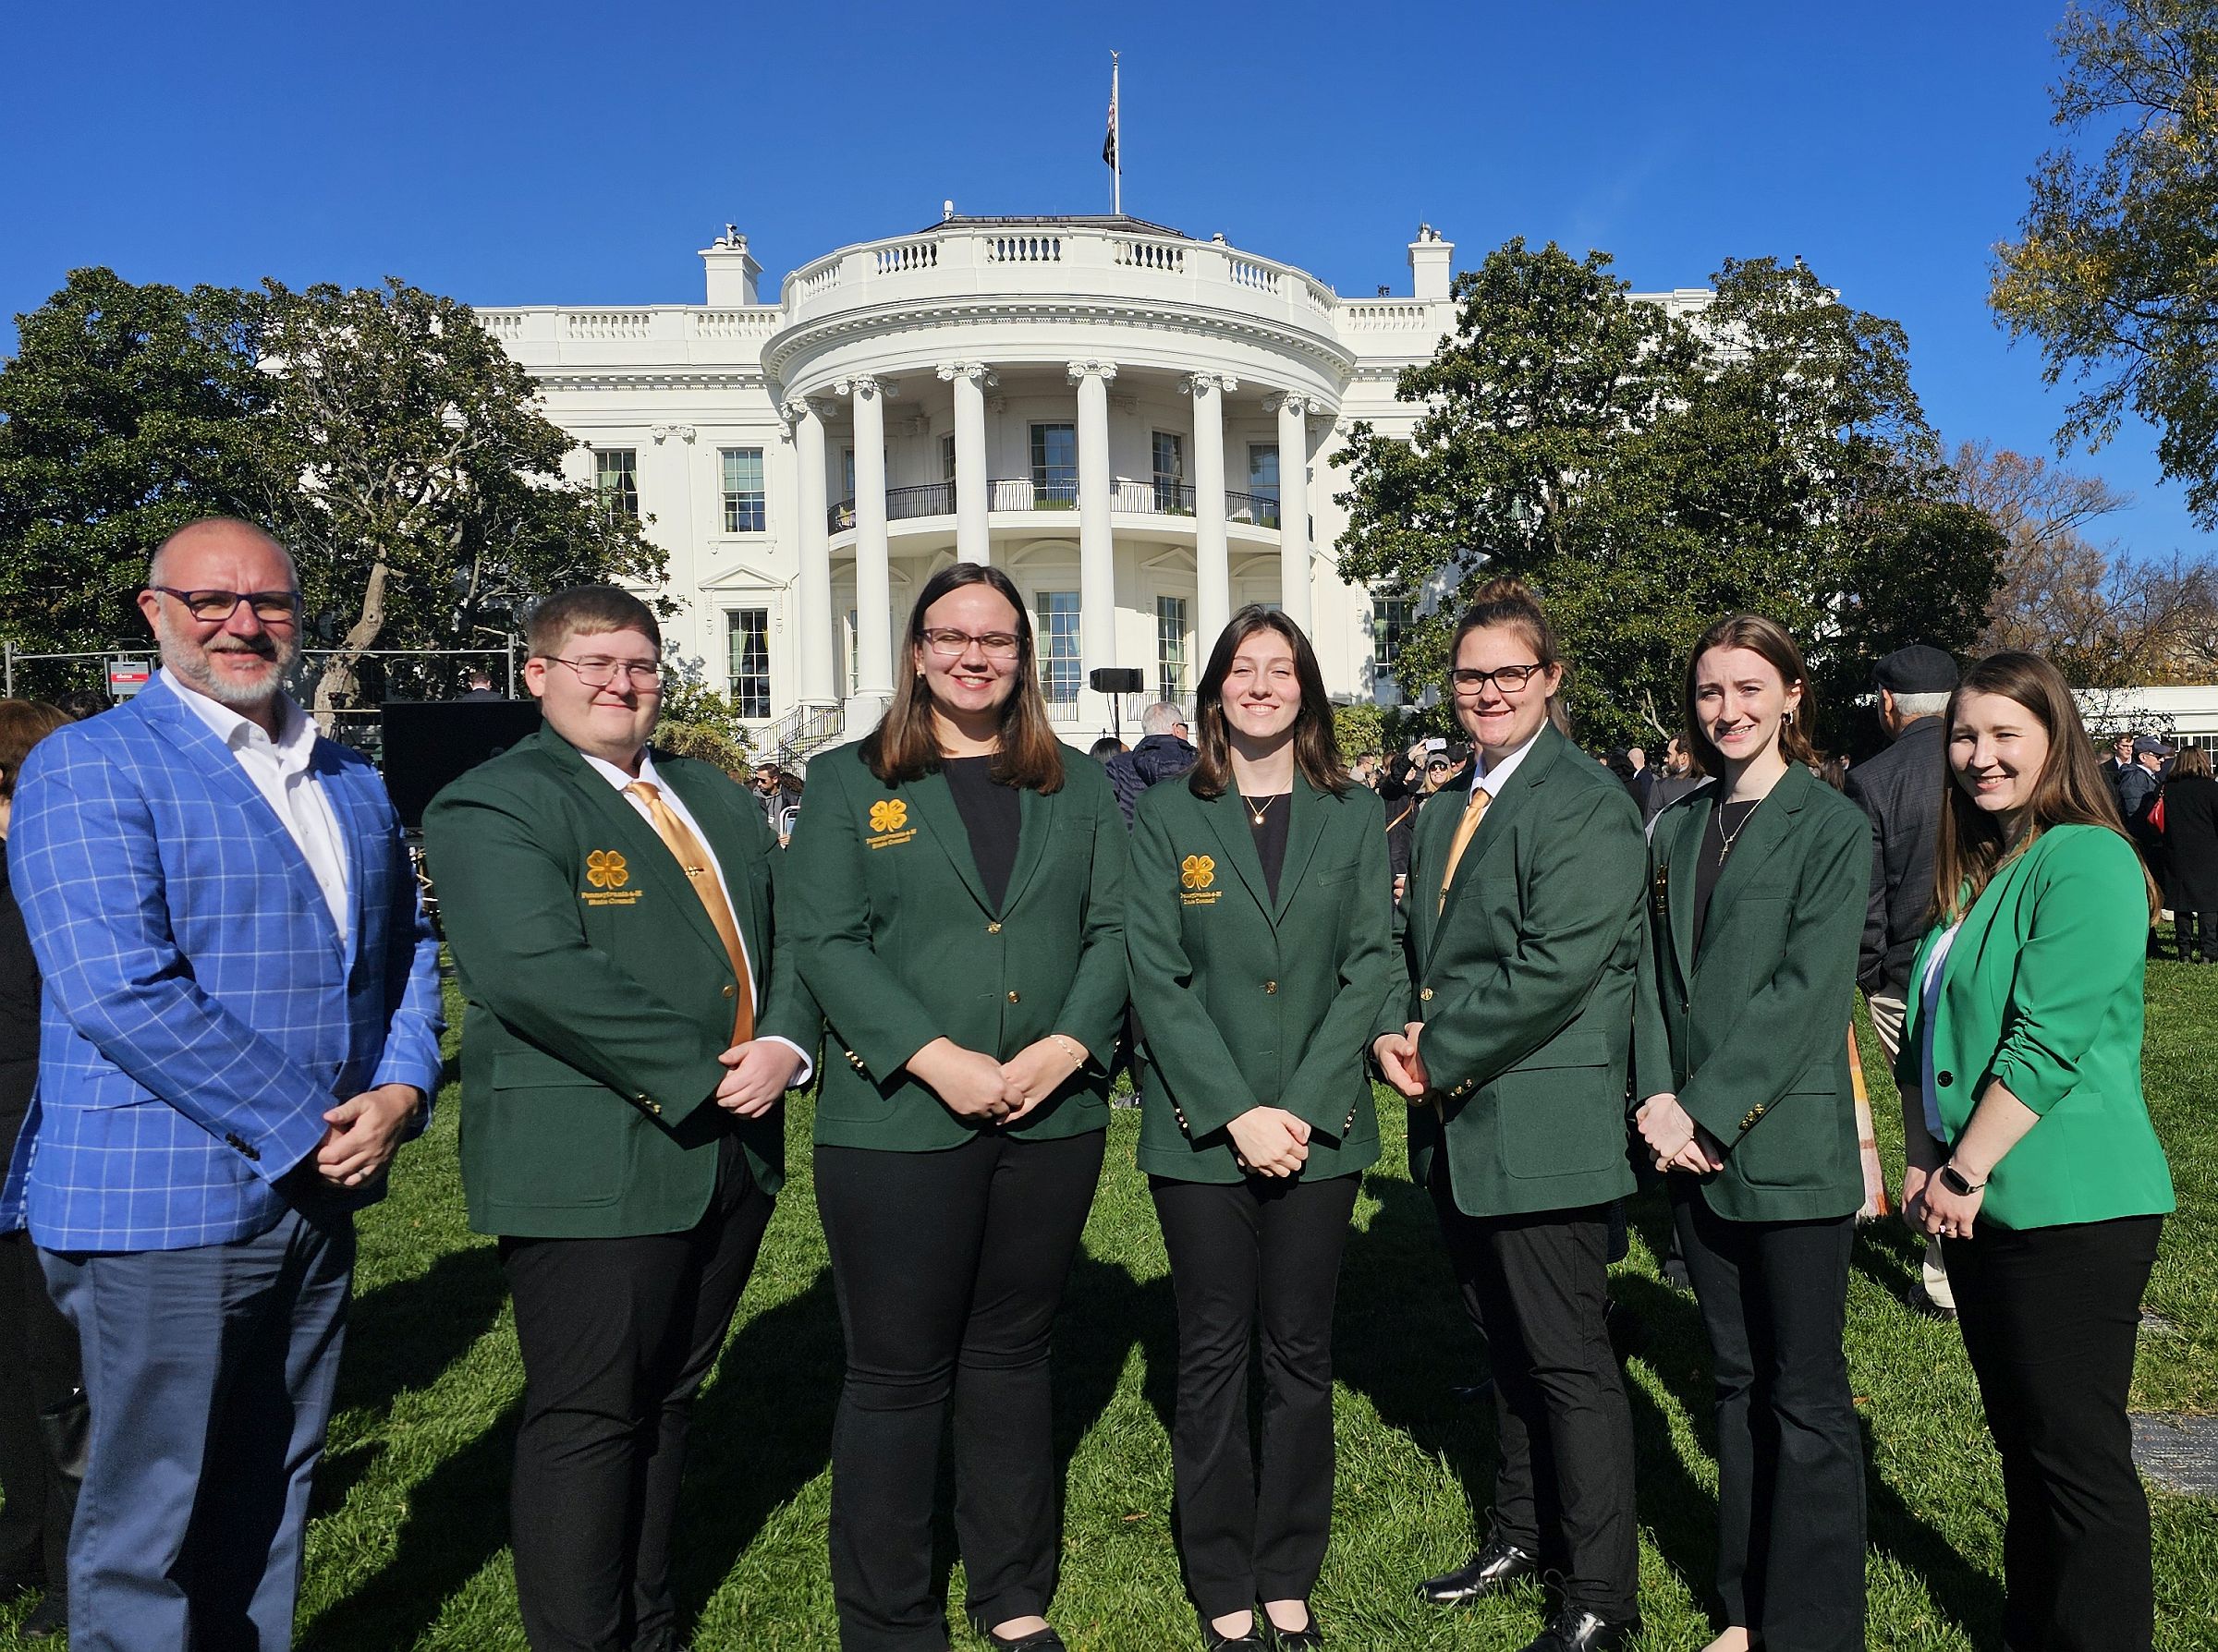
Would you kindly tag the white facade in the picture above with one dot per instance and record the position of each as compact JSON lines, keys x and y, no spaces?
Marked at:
{"x":1120,"y":417}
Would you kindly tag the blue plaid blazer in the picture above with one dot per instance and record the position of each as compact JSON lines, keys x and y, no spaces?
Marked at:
{"x":199,"y":1012}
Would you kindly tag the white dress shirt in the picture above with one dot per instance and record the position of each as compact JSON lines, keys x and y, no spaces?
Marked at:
{"x":280,"y":771}
{"x":676,"y":805}
{"x":1492,"y":781}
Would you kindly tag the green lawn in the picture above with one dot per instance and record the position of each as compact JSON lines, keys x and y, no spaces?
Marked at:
{"x":407,"y":1548}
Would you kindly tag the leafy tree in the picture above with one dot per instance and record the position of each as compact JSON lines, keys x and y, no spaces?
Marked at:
{"x":126,"y":412}
{"x":1359,"y":728}
{"x":697,"y":721}
{"x":432,"y":508}
{"x":1647,"y":475}
{"x":2116,"y":270}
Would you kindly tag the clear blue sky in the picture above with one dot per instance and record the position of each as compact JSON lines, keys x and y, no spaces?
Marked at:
{"x":580,"y":153}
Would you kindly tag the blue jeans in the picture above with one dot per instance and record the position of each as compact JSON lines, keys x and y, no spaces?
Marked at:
{"x":209,"y":1374}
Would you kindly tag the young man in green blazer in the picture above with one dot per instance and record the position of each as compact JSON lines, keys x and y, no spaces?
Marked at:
{"x":631,"y":1025}
{"x":1522,"y":924}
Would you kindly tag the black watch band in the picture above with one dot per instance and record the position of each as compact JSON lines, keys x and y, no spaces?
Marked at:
{"x":1953,"y":1180}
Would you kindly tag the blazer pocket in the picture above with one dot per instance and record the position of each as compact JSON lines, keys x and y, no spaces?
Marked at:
{"x":567,"y":1143}
{"x":1335,"y":874}
{"x":1812,"y":1146}
{"x":1561,"y":1119}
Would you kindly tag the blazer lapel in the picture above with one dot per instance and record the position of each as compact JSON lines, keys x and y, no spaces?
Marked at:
{"x":1771,"y":824}
{"x":1304,"y":825}
{"x":1036,"y":814}
{"x":645,"y":854}
{"x":1502,"y":810}
{"x":221,"y":766}
{"x":1228,"y":820}
{"x":1678,"y":889}
{"x":358,"y":833}
{"x":942,"y":822}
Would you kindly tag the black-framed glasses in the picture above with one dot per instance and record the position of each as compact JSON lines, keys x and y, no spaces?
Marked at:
{"x":1506,"y":679}
{"x":952,"y":644}
{"x":271,"y":607}
{"x":598,"y":670}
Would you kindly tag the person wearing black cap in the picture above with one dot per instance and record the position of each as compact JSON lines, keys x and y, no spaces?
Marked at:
{"x":1901,"y":790}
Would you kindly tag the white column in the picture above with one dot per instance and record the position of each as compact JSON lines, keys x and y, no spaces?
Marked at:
{"x":1292,"y":505}
{"x":971,"y":379}
{"x":813,"y":650}
{"x":1097,"y":547}
{"x":873,"y":587}
{"x":1213,"y":567}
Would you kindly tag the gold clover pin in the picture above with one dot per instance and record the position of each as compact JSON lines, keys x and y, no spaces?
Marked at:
{"x":604,"y":869}
{"x":890,"y":815}
{"x":1196,"y":871}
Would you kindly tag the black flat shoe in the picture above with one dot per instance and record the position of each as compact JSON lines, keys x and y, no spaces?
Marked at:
{"x":1276,"y":1639}
{"x":1575,"y":1629}
{"x":49,"y":1619}
{"x":1213,"y":1642}
{"x":1040,"y":1640}
{"x":1490,"y":1571}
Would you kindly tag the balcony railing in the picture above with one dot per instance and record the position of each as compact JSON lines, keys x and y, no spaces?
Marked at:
{"x":1126,"y":497}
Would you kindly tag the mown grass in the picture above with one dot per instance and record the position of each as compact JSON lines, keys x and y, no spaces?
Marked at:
{"x":407,"y":1548}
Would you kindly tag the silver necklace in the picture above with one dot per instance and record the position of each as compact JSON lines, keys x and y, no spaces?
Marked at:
{"x":1727,"y":838}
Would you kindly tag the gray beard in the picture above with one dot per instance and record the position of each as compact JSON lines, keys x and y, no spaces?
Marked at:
{"x":190,"y":660}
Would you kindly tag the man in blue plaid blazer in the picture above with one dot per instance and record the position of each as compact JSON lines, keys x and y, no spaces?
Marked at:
{"x":240,"y":1024}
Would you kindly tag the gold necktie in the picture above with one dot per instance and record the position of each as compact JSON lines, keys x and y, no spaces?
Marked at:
{"x":1465,"y":829}
{"x":700,"y":873}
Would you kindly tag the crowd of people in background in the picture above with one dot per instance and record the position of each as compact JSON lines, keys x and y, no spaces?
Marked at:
{"x":220,"y":1018}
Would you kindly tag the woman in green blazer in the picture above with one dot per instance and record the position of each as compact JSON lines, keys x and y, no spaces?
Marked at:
{"x":955,"y":887}
{"x":1760,"y":880}
{"x":1507,"y":1031}
{"x":1258,"y":921}
{"x":2030,"y":1153}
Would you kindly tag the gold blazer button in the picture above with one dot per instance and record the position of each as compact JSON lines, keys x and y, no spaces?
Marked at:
{"x":993,"y":928}
{"x":731,"y":992}
{"x":1425,"y":993}
{"x":1271,"y":986}
{"x":1012,"y":995}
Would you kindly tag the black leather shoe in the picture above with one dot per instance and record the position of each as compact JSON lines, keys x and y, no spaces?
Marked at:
{"x":1490,"y":1571}
{"x":50,"y":1619}
{"x":1290,"y":1640}
{"x":1575,"y":1629}
{"x":1213,"y":1642}
{"x":1040,"y":1640}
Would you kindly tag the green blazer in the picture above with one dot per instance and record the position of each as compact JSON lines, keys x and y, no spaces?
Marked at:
{"x":1750,"y":1031}
{"x":894,"y":933}
{"x":1524,"y":982}
{"x":2041,"y":993}
{"x":599,"y":996}
{"x":1246,"y":1002}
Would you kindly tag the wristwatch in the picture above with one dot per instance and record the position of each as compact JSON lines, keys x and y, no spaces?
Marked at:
{"x":1953,"y":1180}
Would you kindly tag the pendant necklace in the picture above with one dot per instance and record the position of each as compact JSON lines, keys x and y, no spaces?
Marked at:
{"x":1726,"y":838}
{"x":1256,"y":811}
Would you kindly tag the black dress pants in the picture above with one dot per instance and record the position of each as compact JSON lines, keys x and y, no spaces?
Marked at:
{"x":1790,"y":1464}
{"x":950,"y":1267}
{"x":38,"y":1369}
{"x":1537,"y":1286}
{"x":618,"y":1336}
{"x":1265,"y":1250}
{"x":2049,"y":1316}
{"x":2197,"y":933}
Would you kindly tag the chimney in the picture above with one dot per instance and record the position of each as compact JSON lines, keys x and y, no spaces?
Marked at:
{"x":1430,"y":264}
{"x":732,"y":271}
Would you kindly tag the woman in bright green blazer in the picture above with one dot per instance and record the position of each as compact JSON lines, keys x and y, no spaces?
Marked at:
{"x":1508,"y":1032}
{"x":955,"y":886}
{"x":1759,"y":881}
{"x":2030,"y":1152}
{"x":1258,"y":921}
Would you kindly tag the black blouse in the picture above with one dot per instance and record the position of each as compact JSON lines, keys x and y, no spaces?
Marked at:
{"x":1725,"y":822}
{"x":1270,"y":834}
{"x":992,"y":813}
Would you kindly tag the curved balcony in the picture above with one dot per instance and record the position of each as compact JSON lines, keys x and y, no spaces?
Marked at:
{"x":1012,"y":495}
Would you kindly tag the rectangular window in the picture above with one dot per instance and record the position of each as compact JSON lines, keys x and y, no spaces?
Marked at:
{"x":1170,"y":473}
{"x":1058,"y":641}
{"x":854,"y":655}
{"x":1054,"y":466}
{"x":743,"y":498}
{"x":617,"y":480}
{"x":1263,"y":469}
{"x":746,"y":641}
{"x":1389,"y":619}
{"x":1170,"y":649}
{"x":848,"y":459}
{"x":947,"y":458}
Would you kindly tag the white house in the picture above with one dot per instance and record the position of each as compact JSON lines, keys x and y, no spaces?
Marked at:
{"x":1135,"y":424}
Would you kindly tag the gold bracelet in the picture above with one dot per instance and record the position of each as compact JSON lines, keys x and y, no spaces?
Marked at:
{"x":1069,"y":1044}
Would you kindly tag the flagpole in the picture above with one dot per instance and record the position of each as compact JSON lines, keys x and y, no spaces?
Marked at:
{"x":1116,"y":168}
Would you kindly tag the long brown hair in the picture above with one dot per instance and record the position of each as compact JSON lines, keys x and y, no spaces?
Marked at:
{"x":1505,"y":600}
{"x":1768,"y":638}
{"x":1316,"y":747}
{"x":906,"y":744}
{"x":2069,"y":790}
{"x":23,"y":723}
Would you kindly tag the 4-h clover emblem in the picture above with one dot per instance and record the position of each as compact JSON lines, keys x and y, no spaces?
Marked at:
{"x":890,"y":815}
{"x":604,"y":869}
{"x":1196,"y":871}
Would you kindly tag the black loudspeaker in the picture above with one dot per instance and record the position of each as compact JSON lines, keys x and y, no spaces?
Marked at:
{"x":431,"y":742}
{"x":1116,"y":679}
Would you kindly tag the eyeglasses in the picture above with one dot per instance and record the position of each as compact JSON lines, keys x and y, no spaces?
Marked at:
{"x":1506,"y":679}
{"x":272,"y":607}
{"x":597,"y":671}
{"x":995,"y":645}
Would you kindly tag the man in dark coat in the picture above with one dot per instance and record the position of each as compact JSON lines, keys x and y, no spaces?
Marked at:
{"x":1163,"y":750}
{"x":1901,"y":790}
{"x":2190,"y":843}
